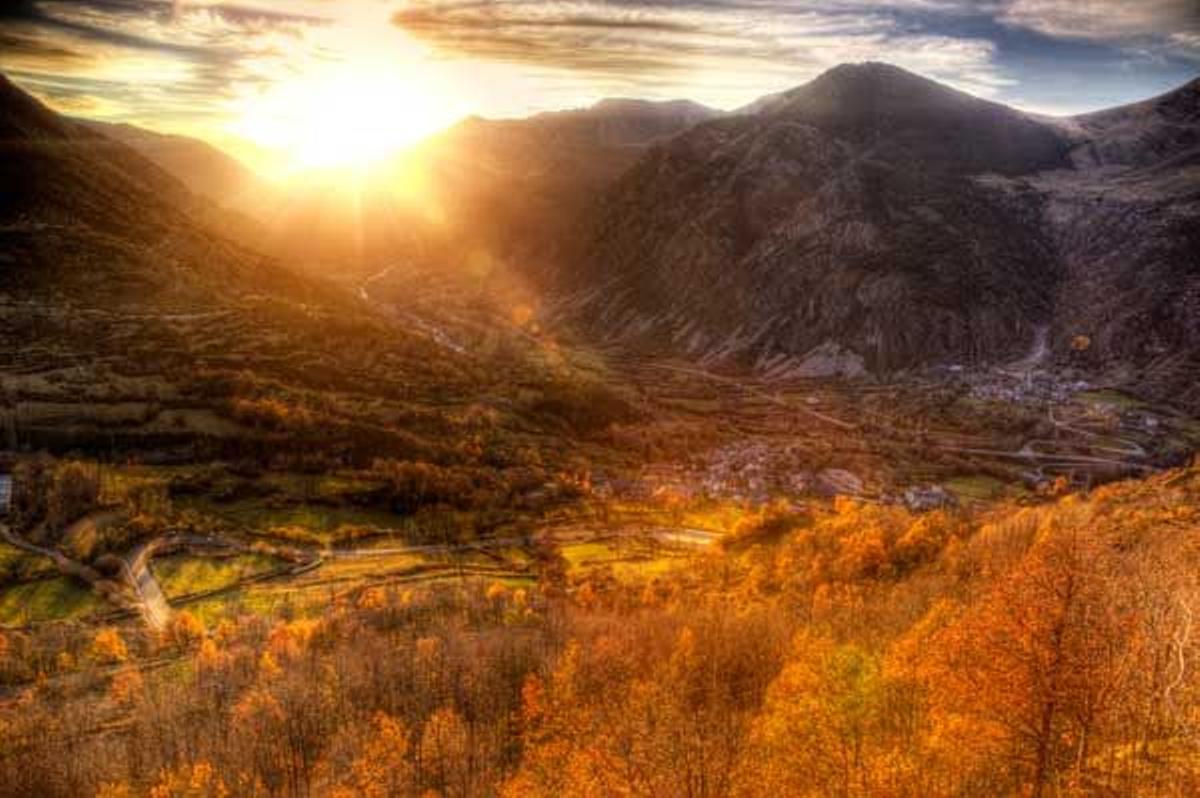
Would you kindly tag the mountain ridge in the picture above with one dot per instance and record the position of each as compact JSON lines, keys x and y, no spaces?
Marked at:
{"x":845,"y":218}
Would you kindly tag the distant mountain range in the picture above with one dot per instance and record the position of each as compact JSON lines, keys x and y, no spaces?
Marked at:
{"x":869,"y":221}
{"x":505,"y":186}
{"x":205,"y":169}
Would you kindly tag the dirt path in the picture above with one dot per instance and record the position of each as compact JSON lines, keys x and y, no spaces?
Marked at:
{"x":105,"y":588}
{"x":153,"y":605}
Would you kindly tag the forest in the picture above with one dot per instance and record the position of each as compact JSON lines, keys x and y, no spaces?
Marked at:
{"x":849,"y":649}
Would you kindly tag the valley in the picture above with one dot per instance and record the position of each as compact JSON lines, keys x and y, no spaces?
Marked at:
{"x":840,"y":444}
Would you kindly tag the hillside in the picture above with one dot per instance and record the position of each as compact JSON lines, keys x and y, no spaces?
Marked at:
{"x":873,"y":220}
{"x":57,"y":171}
{"x":131,"y":323}
{"x":1126,"y":226}
{"x":200,"y":166}
{"x":841,"y":216}
{"x":1014,"y":651}
{"x":517,"y":187}
{"x":499,"y":190}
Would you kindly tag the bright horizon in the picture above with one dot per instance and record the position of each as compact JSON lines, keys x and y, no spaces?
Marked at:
{"x":287,"y":87}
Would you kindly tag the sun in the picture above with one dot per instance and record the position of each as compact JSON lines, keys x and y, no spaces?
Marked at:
{"x":345,"y":115}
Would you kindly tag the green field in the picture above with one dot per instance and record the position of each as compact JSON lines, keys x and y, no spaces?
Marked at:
{"x":318,"y":525}
{"x":16,"y":563}
{"x":180,"y":575}
{"x":57,"y":598}
{"x":979,"y":487}
{"x":627,"y":561}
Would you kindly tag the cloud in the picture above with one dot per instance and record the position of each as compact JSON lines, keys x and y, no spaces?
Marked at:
{"x":30,"y":46}
{"x":1173,"y":25}
{"x":765,"y":44}
{"x":197,"y":66}
{"x":148,"y":61}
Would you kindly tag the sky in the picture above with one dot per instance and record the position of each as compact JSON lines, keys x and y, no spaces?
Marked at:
{"x":280,"y":82}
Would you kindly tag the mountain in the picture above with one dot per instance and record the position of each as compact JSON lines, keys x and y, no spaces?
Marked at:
{"x":505,"y":189}
{"x":841,"y":218}
{"x":88,"y":217}
{"x":1125,"y":223}
{"x":126,"y":316}
{"x":1140,"y":134}
{"x":515,"y":188}
{"x":131,"y":324}
{"x":203,"y":168}
{"x":874,"y":220}
{"x":57,"y":170}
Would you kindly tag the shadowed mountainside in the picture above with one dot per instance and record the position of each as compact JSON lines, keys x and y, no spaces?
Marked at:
{"x":516,"y":188}
{"x":1125,"y":222}
{"x":875,"y":220}
{"x":842,"y":216}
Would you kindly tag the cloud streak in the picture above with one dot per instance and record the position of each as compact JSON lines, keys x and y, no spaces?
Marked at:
{"x":1106,"y":20}
{"x":648,"y":42}
{"x":189,"y":65}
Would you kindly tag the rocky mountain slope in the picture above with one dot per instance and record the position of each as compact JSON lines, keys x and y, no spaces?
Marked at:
{"x":840,"y":220}
{"x":873,"y":220}
{"x":1125,"y":222}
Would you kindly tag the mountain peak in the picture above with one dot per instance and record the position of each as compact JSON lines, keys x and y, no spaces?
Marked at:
{"x":892,"y":110}
{"x":869,"y":70}
{"x":875,"y":85}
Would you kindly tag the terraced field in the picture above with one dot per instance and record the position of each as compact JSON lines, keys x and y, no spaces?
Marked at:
{"x":697,"y":451}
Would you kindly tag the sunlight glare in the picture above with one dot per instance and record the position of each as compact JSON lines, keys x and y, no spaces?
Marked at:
{"x":349,"y":115}
{"x":348,"y":95}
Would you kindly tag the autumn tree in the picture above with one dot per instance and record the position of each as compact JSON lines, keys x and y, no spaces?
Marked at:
{"x":833,"y":724}
{"x":109,"y":647}
{"x":445,"y":754}
{"x":382,"y":767}
{"x":1038,"y":664}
